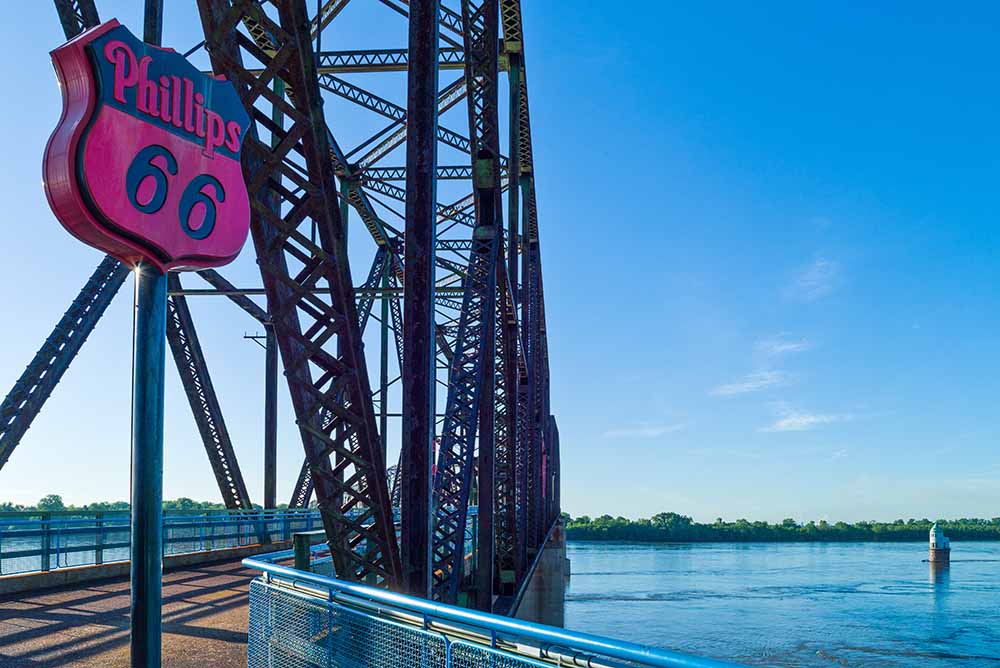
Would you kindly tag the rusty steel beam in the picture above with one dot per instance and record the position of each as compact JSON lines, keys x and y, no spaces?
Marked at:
{"x":474,"y":340}
{"x":198,"y":387}
{"x":418,"y":298}
{"x":292,"y":185}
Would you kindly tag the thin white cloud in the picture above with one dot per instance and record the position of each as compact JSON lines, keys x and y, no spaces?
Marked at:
{"x":754,"y":382}
{"x":790,"y":419}
{"x":816,"y":281}
{"x":839,"y":454}
{"x":643,"y":431}
{"x":782,"y":345}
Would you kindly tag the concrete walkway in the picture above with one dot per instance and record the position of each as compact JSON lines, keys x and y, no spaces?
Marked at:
{"x":204,"y":622}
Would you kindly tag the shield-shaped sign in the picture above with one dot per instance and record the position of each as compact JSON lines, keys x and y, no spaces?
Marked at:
{"x":145,"y":161}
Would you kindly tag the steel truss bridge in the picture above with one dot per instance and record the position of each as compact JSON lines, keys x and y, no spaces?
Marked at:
{"x":458,"y":284}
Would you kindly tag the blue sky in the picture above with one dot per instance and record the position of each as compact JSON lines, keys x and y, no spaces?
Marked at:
{"x":770,"y":240}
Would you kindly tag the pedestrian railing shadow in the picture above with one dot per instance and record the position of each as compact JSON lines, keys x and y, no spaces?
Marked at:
{"x":66,"y":627}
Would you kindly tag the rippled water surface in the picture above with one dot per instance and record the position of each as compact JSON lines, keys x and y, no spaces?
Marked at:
{"x":876,"y":605}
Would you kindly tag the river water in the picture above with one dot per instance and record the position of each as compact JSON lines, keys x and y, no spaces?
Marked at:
{"x":876,"y":605}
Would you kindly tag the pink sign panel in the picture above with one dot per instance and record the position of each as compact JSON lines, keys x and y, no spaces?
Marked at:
{"x":145,"y":162}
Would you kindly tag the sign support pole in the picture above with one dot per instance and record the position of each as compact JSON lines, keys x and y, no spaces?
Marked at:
{"x":157,"y":191}
{"x":270,"y":419}
{"x":147,"y":465}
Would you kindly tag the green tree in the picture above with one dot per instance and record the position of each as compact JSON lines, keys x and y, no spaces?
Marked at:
{"x":668,"y":526}
{"x":51,"y":503}
{"x":184,"y":503}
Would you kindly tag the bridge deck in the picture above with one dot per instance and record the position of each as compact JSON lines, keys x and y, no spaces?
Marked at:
{"x":204,"y":622}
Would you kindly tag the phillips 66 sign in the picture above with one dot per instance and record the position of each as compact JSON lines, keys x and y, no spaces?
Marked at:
{"x":145,"y":161}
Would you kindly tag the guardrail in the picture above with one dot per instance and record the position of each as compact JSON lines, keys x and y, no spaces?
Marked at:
{"x":300,"y":619}
{"x":34,"y":542}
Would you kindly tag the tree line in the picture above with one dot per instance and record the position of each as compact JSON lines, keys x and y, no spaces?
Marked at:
{"x":672,"y":527}
{"x":52,"y":503}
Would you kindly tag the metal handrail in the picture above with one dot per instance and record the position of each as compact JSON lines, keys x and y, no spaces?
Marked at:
{"x":56,"y":514}
{"x":50,"y":540}
{"x":548,"y":638}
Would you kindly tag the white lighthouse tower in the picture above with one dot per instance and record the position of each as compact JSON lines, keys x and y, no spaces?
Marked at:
{"x":940,"y":546}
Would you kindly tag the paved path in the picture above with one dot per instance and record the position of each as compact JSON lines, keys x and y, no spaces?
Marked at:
{"x":204,"y":622}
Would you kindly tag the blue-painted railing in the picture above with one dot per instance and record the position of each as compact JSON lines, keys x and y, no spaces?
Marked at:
{"x":31,"y":542}
{"x":303,"y":619}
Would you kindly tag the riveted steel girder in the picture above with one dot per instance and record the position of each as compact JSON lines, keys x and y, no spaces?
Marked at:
{"x":291,"y":184}
{"x":366,"y":298}
{"x":506,"y":425}
{"x":534,"y":390}
{"x":387,"y":142}
{"x":446,"y":173}
{"x":197,"y":383}
{"x":76,"y":16}
{"x":23,"y":403}
{"x":381,"y":60}
{"x":475,"y":337}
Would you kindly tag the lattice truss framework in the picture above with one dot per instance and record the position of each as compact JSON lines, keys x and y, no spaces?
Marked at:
{"x":304,"y":187}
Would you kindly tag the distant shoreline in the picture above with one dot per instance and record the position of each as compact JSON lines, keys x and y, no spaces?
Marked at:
{"x":623,"y":541}
{"x":675,"y":528}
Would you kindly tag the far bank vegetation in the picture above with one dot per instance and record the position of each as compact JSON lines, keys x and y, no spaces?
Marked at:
{"x":672,"y":527}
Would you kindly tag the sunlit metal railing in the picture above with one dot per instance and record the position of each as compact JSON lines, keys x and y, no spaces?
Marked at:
{"x":301,"y":619}
{"x":31,"y":542}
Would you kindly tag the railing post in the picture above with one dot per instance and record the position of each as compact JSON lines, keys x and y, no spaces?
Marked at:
{"x":146,"y":549}
{"x":57,"y":544}
{"x":265,"y":535}
{"x":301,"y":547}
{"x":99,"y":538}
{"x":46,"y":540}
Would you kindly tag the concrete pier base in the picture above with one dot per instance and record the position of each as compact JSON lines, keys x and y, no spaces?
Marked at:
{"x":940,"y":555}
{"x":939,"y":574}
{"x":543,"y":598}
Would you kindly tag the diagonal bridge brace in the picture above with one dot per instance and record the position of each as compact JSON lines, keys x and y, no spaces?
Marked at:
{"x":354,"y":502}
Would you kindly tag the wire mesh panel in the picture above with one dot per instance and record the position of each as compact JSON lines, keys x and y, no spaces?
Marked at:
{"x":468,"y":655}
{"x":286,"y":630}
{"x":296,"y":623}
{"x":289,"y":630}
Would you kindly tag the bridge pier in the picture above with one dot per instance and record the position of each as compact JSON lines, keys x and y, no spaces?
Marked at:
{"x":542,"y":597}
